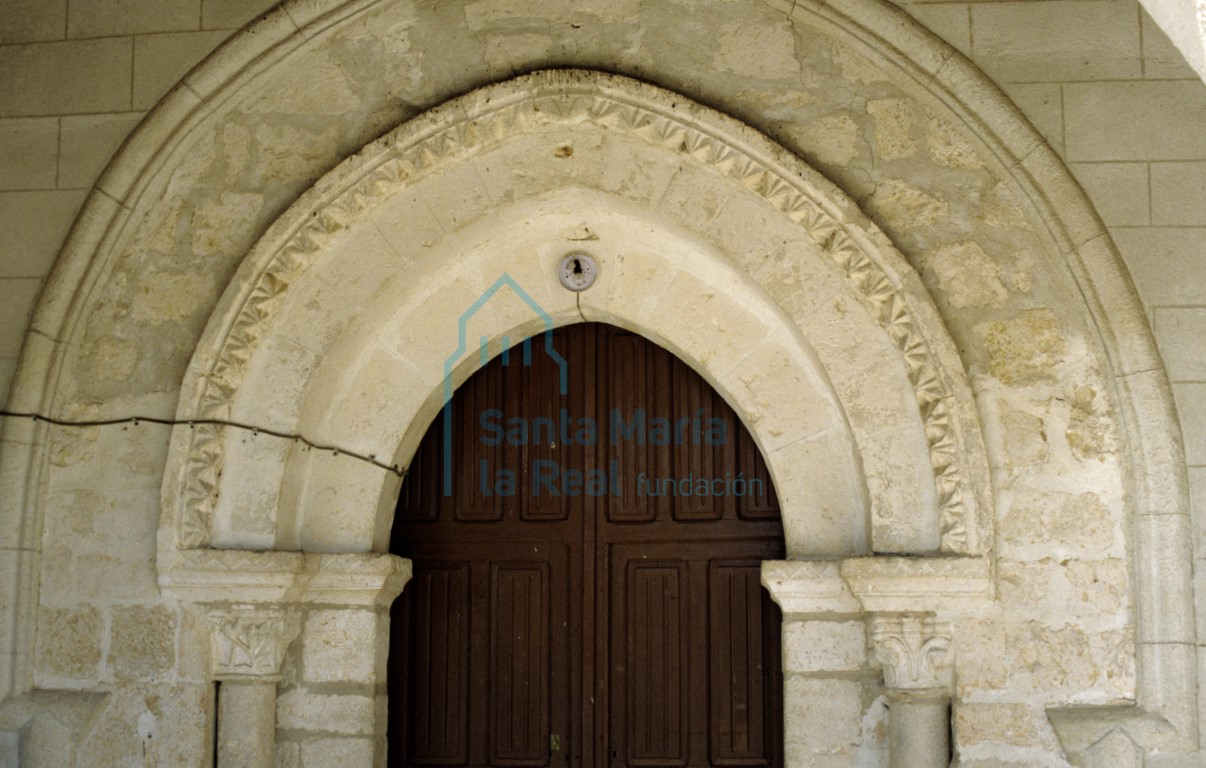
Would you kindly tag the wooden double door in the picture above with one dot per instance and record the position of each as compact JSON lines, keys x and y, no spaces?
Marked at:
{"x":587,"y":595}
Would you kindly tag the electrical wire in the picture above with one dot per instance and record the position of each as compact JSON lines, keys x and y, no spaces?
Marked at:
{"x":193,"y":423}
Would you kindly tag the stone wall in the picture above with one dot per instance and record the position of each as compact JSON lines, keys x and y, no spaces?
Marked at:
{"x":1095,"y":77}
{"x":74,"y":86}
{"x":1129,"y":117}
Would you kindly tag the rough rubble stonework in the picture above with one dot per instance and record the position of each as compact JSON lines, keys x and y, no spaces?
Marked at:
{"x":942,"y":257}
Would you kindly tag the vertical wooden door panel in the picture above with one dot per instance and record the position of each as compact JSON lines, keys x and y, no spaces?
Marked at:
{"x":636,"y":380}
{"x":759,"y":501}
{"x":519,"y":696}
{"x":441,"y":665}
{"x":474,"y":460}
{"x":656,"y":656}
{"x":533,"y":393}
{"x":697,"y":455}
{"x":738,"y":691}
{"x":569,"y":630}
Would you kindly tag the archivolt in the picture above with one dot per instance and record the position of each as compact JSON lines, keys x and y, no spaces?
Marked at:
{"x":578,"y":105}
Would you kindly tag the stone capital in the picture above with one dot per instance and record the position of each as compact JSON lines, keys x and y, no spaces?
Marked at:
{"x":249,"y":642}
{"x":915,"y":652}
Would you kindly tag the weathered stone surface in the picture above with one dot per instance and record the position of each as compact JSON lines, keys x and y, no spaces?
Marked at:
{"x":298,"y":709}
{"x":894,"y":126}
{"x":833,"y":138}
{"x":340,"y":646}
{"x":900,"y":201}
{"x":142,"y":643}
{"x":821,"y":721}
{"x":69,"y":642}
{"x":953,"y":185}
{"x":1018,"y":725}
{"x":1086,"y":591}
{"x":1025,"y":349}
{"x":1090,"y":432}
{"x":350,"y":752}
{"x":1059,"y":522}
{"x":157,"y":724}
{"x":969,"y":278}
{"x":823,"y":646}
{"x":950,"y":147}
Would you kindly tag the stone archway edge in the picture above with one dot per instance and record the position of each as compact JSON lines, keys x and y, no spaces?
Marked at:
{"x":108,"y":213}
{"x":453,"y":132}
{"x":1157,"y":471}
{"x":1165,"y":717}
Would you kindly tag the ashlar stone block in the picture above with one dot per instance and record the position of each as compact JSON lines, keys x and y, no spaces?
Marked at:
{"x":354,"y":753}
{"x":821,"y":720}
{"x":1118,"y":190}
{"x":101,"y":18}
{"x":340,"y":646}
{"x":142,"y":642}
{"x":824,"y":646}
{"x":66,"y":78}
{"x":1179,"y":332}
{"x":1153,"y":120}
{"x":29,"y":153}
{"x":1154,"y":255}
{"x":35,"y":224}
{"x":301,"y":710}
{"x":1055,"y":41}
{"x":88,"y":144}
{"x":25,"y":21}
{"x":1179,"y":194}
{"x":69,"y":642}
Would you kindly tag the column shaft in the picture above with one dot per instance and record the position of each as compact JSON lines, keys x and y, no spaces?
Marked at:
{"x":247,"y":724}
{"x":919,"y":732}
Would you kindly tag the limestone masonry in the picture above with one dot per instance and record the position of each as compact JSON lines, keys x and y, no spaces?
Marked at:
{"x":945,"y":259}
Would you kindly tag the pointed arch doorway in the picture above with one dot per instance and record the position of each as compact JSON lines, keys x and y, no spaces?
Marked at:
{"x":589,"y":594}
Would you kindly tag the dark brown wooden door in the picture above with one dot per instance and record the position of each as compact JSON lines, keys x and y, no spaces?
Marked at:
{"x":589,"y":594}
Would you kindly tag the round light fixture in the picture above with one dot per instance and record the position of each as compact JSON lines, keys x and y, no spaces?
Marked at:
{"x":577,"y":271}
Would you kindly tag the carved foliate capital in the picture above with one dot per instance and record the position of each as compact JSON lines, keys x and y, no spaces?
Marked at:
{"x":915,"y":653}
{"x":249,"y":641}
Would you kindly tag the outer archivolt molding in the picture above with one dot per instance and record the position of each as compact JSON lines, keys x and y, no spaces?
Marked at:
{"x":487,"y":117}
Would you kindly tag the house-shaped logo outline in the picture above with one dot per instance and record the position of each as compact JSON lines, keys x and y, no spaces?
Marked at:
{"x":462,"y":345}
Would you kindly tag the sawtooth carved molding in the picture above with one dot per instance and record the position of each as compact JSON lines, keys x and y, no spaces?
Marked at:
{"x":484,"y":119}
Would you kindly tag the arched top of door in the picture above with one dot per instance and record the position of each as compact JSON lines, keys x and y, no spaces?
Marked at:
{"x":366,"y":301}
